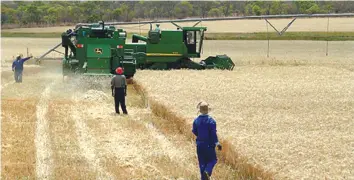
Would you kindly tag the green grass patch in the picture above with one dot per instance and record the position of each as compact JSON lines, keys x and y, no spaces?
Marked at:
{"x":319,"y":36}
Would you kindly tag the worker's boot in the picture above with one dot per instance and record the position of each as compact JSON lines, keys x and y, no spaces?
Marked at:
{"x":206,"y":175}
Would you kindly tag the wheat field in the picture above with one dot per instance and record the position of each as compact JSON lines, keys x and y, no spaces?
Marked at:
{"x":235,"y":26}
{"x":296,"y":121}
{"x":291,"y":113}
{"x":67,"y":130}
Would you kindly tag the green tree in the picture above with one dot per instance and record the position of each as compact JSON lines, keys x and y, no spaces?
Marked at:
{"x":8,"y":15}
{"x":303,"y":6}
{"x":168,"y":8}
{"x":183,"y":9}
{"x":278,"y":7}
{"x":248,"y":9}
{"x":256,"y":10}
{"x":126,"y":13}
{"x":116,"y":13}
{"x":140,"y":9}
{"x":313,"y":9}
{"x":328,"y":7}
{"x":33,"y":13}
{"x":226,"y":7}
{"x":202,"y":8}
{"x":215,"y":12}
{"x":52,"y":15}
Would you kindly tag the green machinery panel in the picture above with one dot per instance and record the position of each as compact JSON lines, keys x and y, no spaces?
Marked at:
{"x":169,"y":49}
{"x":101,"y":49}
{"x":98,"y":58}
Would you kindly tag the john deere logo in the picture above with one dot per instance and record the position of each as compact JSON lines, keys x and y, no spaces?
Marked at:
{"x":98,"y":51}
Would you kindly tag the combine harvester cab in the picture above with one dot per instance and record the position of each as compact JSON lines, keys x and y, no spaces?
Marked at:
{"x":99,"y":50}
{"x":173,"y":49}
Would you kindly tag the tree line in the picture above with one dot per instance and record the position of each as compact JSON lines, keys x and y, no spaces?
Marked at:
{"x":50,"y":13}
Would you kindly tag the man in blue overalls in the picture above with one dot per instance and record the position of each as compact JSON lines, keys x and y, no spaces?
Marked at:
{"x":204,"y":127}
{"x":17,"y":67}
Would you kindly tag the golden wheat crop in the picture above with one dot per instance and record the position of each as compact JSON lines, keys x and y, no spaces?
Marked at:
{"x":242,"y":26}
{"x":69,"y":130}
{"x":296,"y":121}
{"x":294,"y":53}
{"x":291,"y":113}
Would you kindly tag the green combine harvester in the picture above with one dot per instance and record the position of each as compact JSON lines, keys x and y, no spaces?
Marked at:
{"x":98,"y":49}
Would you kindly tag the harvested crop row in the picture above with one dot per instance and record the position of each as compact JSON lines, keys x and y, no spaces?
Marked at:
{"x":135,"y":146}
{"x":86,"y":138}
{"x":294,"y":121}
{"x":18,"y":125}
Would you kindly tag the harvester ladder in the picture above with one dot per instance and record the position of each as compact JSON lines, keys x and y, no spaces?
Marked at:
{"x":129,"y":56}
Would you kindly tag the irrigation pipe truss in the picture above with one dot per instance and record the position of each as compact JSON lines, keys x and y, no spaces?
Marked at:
{"x":265,"y":17}
{"x":233,"y":18}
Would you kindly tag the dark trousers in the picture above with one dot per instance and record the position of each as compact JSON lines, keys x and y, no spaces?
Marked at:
{"x":207,"y":158}
{"x":66,"y":51}
{"x":119,"y":98}
{"x":18,"y":76}
{"x":72,"y":48}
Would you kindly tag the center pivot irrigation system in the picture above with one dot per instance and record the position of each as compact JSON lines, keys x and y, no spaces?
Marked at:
{"x":99,"y":48}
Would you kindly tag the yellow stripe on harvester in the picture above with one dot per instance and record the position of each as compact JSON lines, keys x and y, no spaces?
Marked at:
{"x":159,"y":54}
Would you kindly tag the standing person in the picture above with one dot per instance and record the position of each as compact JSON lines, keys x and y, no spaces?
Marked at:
{"x":157,"y":27}
{"x":204,"y":127}
{"x":66,"y":42}
{"x":17,"y":67}
{"x":119,"y":90}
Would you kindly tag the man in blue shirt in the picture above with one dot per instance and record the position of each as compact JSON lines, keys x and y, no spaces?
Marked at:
{"x":17,"y":67}
{"x":204,"y":127}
